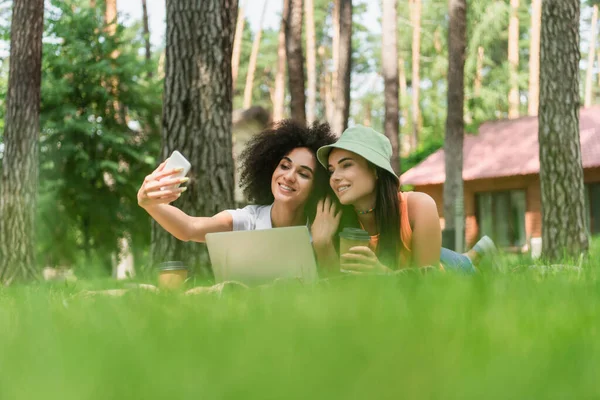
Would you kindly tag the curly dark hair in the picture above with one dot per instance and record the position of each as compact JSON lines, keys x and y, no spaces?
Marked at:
{"x":265,"y":150}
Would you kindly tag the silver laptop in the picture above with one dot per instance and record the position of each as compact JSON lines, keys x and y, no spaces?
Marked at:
{"x":261,"y":256}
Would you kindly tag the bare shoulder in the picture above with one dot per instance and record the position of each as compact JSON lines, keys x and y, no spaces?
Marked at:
{"x":420,"y":205}
{"x":420,"y":200}
{"x":427,"y":232}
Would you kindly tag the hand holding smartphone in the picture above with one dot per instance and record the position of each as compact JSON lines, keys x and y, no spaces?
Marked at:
{"x":176,"y":160}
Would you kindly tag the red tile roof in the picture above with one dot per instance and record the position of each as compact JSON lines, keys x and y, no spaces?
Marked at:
{"x":506,"y":148}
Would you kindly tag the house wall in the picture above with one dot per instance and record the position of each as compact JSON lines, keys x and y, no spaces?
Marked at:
{"x":529,"y":183}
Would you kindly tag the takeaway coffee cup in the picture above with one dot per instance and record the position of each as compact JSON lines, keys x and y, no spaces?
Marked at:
{"x":172,"y":274}
{"x":351,"y":237}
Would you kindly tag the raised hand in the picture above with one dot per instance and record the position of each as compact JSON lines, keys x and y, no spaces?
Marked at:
{"x":326,"y":222}
{"x":154,"y":191}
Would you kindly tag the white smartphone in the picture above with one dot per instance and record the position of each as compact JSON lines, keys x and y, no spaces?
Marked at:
{"x":177,"y":160}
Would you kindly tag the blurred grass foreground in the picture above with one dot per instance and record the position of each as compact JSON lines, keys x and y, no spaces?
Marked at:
{"x":510,"y":332}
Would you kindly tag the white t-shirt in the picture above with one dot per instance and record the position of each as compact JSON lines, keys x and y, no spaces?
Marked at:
{"x":251,"y":218}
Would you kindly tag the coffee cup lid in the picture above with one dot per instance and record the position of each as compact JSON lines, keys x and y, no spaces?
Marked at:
{"x":171,"y":266}
{"x":355,"y":234}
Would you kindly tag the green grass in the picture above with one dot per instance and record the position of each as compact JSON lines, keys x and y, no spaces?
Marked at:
{"x":515,"y":332}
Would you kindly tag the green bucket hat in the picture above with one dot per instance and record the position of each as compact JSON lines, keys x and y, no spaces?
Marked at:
{"x":366,"y":142}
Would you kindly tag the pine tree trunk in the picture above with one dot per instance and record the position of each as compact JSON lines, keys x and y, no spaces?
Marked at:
{"x":341,"y":110}
{"x":237,"y":45}
{"x":598,"y":75}
{"x":328,"y":97}
{"x":197,"y":114}
{"x":437,"y":40}
{"x":367,"y":112}
{"x":389,"y":60}
{"x":453,"y":145}
{"x":402,"y":81}
{"x":295,"y":60}
{"x":534,"y":58}
{"x":279,"y":93}
{"x":561,"y":172}
{"x":253,"y":58}
{"x":18,"y":183}
{"x":513,"y":60}
{"x":311,"y":62}
{"x":416,"y":79}
{"x":146,"y":32}
{"x":335,"y":53}
{"x":589,"y":75}
{"x":110,"y":16}
{"x":406,"y":145}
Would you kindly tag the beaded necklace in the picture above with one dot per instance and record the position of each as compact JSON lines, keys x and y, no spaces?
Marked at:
{"x":370,"y":210}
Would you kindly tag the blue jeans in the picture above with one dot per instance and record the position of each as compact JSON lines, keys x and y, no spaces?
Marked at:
{"x":453,"y":261}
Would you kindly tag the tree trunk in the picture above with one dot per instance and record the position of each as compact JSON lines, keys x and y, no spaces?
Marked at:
{"x":18,"y":183}
{"x":453,"y":145}
{"x":513,"y":60}
{"x":415,"y":17}
{"x":124,"y":267}
{"x":589,"y":75}
{"x":367,"y":112}
{"x":437,"y":40}
{"x":146,"y":32}
{"x":197,"y":114}
{"x":598,"y":77}
{"x":389,"y":60}
{"x":295,"y":59}
{"x":253,"y":58}
{"x":479,"y":72}
{"x":279,"y":94}
{"x":327,"y":96}
{"x":534,"y":58}
{"x":237,"y":44}
{"x":561,"y":172}
{"x":402,"y":82}
{"x":406,"y":145}
{"x":598,"y":58}
{"x":123,"y":258}
{"x":335,"y":53}
{"x":341,"y":110}
{"x":311,"y":62}
{"x":110,"y":16}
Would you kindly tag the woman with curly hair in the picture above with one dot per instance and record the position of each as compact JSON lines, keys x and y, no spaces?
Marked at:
{"x":279,"y":173}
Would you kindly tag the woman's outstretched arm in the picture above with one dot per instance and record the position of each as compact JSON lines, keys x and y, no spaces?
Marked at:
{"x":155,"y":196}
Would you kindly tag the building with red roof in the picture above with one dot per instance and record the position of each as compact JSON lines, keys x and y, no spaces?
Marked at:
{"x":501,"y":179}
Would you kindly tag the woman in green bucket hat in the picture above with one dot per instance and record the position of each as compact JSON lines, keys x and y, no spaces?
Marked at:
{"x":404,"y":227}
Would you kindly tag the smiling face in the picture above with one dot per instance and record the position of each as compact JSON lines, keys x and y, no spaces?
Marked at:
{"x":352,"y":179}
{"x":293,"y":179}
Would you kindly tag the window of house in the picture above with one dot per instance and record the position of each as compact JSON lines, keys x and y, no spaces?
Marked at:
{"x":592,"y":203}
{"x":501,"y":216}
